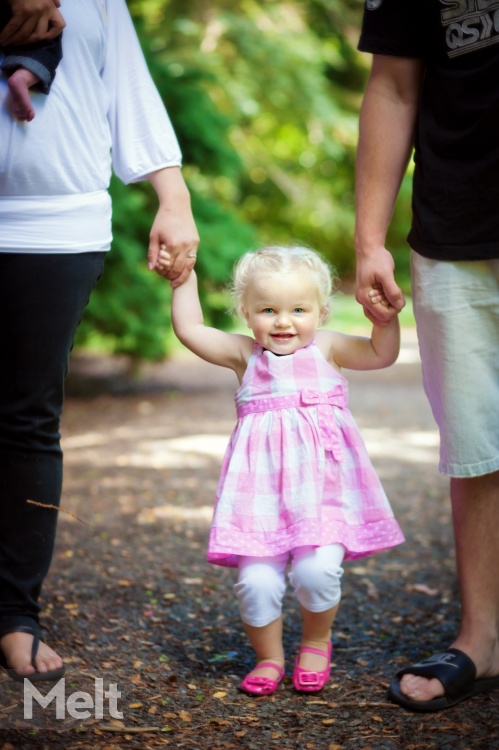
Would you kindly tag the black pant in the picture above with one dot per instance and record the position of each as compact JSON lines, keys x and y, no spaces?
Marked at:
{"x":42,"y":299}
{"x":41,"y":58}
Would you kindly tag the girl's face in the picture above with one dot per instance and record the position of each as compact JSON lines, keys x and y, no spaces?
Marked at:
{"x":283,"y":310}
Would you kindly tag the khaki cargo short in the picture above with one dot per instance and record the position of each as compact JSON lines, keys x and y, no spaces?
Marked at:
{"x":456,"y":305}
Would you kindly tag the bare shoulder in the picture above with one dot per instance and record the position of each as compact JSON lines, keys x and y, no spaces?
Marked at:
{"x":246,"y":344}
{"x":327,"y":342}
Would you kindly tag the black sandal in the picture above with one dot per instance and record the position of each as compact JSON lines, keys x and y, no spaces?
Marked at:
{"x":455,"y":670}
{"x":50,"y":676}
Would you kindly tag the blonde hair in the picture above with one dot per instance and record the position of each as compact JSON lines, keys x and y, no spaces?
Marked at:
{"x":275,"y":259}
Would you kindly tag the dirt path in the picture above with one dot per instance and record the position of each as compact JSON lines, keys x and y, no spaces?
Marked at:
{"x":131,"y":601}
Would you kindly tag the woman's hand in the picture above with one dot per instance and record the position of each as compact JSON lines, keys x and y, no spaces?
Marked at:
{"x":32,"y":21}
{"x":173,"y":240}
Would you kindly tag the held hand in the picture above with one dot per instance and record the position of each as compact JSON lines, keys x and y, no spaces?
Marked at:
{"x":173,"y":244}
{"x":376,"y":289}
{"x":173,"y":240}
{"x":32,"y":21}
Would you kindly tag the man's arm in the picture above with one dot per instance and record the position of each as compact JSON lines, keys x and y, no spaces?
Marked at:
{"x":387,"y":121}
{"x":32,"y":21}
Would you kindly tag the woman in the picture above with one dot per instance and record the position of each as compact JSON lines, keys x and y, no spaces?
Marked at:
{"x":102,"y":112}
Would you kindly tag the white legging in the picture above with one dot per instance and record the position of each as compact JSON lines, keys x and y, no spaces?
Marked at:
{"x":315,"y":576}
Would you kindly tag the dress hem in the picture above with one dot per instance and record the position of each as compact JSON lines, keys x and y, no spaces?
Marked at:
{"x":358,"y":541}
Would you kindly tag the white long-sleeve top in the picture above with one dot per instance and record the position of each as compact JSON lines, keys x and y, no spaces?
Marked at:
{"x":103,"y":112}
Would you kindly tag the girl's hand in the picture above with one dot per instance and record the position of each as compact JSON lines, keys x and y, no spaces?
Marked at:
{"x":164,"y":262}
{"x":378,"y":297}
{"x":32,"y":21}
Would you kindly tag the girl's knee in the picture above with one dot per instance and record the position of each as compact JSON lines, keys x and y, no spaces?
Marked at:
{"x":317,"y":582}
{"x":259,"y":591}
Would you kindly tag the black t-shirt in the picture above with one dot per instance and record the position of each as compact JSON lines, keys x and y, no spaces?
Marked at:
{"x":456,"y":176}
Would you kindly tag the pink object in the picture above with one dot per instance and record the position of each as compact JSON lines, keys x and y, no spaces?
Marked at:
{"x":307,"y":681}
{"x":262,"y":685}
{"x":296,"y":471}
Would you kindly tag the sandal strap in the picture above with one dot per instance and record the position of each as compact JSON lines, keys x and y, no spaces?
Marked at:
{"x":310,"y":650}
{"x":455,"y":670}
{"x":29,"y":630}
{"x":269,"y":664}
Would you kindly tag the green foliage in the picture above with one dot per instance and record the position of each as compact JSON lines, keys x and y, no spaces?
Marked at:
{"x":264,"y":97}
{"x":128,"y":311}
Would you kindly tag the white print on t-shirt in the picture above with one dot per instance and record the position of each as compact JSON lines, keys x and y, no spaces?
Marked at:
{"x":470,"y":25}
{"x":373,"y":4}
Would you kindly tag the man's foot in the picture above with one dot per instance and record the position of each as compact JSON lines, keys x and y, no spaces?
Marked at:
{"x":20,"y":82}
{"x":16,"y":648}
{"x":423,"y":689}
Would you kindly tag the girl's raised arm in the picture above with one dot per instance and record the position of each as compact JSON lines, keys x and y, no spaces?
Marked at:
{"x":360,"y":352}
{"x":218,"y":347}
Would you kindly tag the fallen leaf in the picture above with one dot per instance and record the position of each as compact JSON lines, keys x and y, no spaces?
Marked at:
{"x":185,"y":716}
{"x":327,"y":722}
{"x":422,"y":589}
{"x":221,"y":694}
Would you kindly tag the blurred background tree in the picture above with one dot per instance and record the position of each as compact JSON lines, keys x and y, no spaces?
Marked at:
{"x":264,"y":97}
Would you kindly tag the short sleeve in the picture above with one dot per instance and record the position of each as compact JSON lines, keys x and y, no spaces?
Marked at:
{"x":394,"y":27}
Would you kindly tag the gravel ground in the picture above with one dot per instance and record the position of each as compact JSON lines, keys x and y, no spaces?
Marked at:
{"x":130,"y":600}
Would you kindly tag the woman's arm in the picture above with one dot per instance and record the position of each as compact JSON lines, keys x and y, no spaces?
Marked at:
{"x":173,"y":227}
{"x":32,"y":21}
{"x":218,"y":347}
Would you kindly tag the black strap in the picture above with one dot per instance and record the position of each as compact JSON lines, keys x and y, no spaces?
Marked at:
{"x":455,"y":670}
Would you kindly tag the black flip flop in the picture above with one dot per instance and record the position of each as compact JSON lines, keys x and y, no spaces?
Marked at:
{"x":50,"y":676}
{"x":455,"y":670}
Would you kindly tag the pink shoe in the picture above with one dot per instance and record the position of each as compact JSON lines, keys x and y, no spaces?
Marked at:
{"x":262,"y":685}
{"x":311,"y":682}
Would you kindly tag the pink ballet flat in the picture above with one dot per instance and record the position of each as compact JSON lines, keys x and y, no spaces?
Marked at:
{"x":311,"y":682}
{"x":262,"y":685}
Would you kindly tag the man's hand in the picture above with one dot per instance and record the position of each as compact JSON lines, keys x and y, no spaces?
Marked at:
{"x":375,"y":283}
{"x":32,"y":21}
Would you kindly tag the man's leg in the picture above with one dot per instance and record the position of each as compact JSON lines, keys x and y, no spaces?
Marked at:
{"x":475,"y":509}
{"x":457,"y":313}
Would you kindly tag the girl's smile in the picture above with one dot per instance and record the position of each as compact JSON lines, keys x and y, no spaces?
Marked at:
{"x":283,"y":311}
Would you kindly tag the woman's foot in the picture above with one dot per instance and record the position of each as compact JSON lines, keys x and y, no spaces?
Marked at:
{"x":16,"y":648}
{"x":19,"y":83}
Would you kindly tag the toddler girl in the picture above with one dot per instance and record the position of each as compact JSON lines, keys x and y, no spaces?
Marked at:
{"x":296,"y":484}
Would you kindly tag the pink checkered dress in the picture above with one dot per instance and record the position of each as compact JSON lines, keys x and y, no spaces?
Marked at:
{"x":296,"y":470}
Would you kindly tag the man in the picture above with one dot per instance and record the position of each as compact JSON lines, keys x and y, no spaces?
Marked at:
{"x":433,"y":85}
